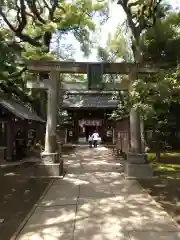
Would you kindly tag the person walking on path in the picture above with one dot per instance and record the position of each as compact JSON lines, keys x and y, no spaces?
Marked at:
{"x":95,"y":138}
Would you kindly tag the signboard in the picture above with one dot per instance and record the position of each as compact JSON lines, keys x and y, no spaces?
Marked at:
{"x":44,"y":84}
{"x":87,"y":122}
{"x":95,"y":76}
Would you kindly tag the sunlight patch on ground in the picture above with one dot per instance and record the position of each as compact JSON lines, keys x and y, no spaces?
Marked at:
{"x":10,"y":174}
{"x":101,"y":148}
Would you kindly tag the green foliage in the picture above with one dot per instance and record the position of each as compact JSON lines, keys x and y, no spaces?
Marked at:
{"x":141,"y":15}
{"x":161,"y":43}
{"x":152,"y":95}
{"x":9,"y":57}
{"x":35,"y":22}
{"x":28,"y":30}
{"x":11,"y":67}
{"x":154,"y":38}
{"x":154,"y":98}
{"x":117,"y":47}
{"x":123,"y":107}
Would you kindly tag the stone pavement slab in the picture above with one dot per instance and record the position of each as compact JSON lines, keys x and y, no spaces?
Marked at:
{"x":148,"y":235}
{"x":125,"y":186}
{"x":95,"y":191}
{"x":49,"y":222}
{"x":46,"y":235}
{"x":95,"y":202}
{"x":98,"y":234}
{"x":65,"y":194}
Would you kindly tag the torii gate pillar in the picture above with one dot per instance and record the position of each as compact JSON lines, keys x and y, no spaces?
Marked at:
{"x":51,"y":164}
{"x":51,"y":123}
{"x":51,"y":156}
{"x":137,"y":165}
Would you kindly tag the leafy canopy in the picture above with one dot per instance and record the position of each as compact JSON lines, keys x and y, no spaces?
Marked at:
{"x":35,"y":22}
{"x":154,"y":38}
{"x":27,"y":31}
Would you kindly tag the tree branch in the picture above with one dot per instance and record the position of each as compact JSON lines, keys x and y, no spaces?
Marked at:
{"x":55,"y":5}
{"x":14,"y":89}
{"x":46,"y":5}
{"x":33,"y":8}
{"x":132,"y":4}
{"x":23,"y":22}
{"x":28,"y":39}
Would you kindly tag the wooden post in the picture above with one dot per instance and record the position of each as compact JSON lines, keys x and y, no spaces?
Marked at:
{"x":76,"y":128}
{"x":9,"y":139}
{"x":66,"y":135}
{"x":50,"y":139}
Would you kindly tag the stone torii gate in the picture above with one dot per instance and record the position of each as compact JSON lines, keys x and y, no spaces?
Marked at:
{"x":136,"y":165}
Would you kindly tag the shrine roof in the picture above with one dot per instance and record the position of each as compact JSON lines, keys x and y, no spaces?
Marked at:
{"x":19,"y":110}
{"x":101,"y":100}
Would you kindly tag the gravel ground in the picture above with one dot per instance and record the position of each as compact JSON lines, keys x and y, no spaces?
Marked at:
{"x":19,"y":192}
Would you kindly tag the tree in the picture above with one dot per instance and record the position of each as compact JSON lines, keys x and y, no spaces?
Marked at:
{"x":117,"y":48}
{"x":157,"y":44}
{"x":35,"y":22}
{"x":11,"y":67}
{"x":141,"y":16}
{"x":161,"y":43}
{"x":155,"y":97}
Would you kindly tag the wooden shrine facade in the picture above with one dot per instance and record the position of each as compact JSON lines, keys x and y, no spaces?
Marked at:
{"x":17,"y":123}
{"x":87,"y":118}
{"x":87,"y":112}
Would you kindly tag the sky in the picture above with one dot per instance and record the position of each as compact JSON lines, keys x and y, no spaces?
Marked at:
{"x":116,"y":16}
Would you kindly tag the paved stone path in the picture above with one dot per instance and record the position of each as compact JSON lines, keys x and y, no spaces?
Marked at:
{"x":95,"y":202}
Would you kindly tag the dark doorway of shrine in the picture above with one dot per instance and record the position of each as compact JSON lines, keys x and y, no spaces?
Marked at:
{"x":88,"y":120}
{"x":89,"y":129}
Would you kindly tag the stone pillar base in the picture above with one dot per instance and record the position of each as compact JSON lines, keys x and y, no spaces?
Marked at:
{"x":138,"y":167}
{"x":50,"y":157}
{"x":137,"y":158}
{"x":48,"y":169}
{"x":51,"y":165}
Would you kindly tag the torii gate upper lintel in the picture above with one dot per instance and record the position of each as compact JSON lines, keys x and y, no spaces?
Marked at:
{"x":82,"y":67}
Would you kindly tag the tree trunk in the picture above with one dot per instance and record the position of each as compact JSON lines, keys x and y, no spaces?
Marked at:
{"x":158,"y":155}
{"x":158,"y":146}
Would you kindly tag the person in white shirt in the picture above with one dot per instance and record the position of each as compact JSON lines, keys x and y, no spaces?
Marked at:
{"x":95,"y":138}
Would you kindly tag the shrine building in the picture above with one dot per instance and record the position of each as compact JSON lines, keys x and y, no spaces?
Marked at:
{"x":89,"y":111}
